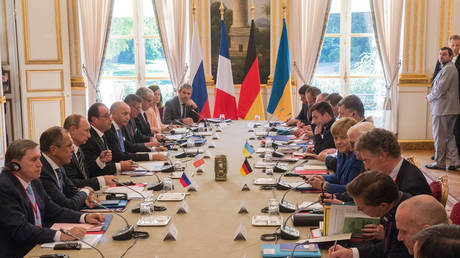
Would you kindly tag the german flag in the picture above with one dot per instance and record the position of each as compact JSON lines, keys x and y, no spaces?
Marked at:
{"x":245,"y":168}
{"x":250,"y":102}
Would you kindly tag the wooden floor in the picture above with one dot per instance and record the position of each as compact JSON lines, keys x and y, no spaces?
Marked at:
{"x":424,"y":158}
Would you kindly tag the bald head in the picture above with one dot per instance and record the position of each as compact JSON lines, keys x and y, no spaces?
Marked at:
{"x":120,"y":113}
{"x":417,"y":213}
{"x":357,"y":130}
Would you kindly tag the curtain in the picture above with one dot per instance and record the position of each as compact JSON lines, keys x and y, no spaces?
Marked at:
{"x":387,"y":16}
{"x":310,"y":20}
{"x":172,"y":21}
{"x":95,"y":19}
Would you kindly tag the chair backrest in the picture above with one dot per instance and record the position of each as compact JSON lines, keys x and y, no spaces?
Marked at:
{"x":445,"y":189}
{"x":455,"y":214}
{"x":436,"y":190}
{"x":412,"y":159}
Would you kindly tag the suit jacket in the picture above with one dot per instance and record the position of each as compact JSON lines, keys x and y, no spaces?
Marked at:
{"x":172,"y":112}
{"x":393,"y":248}
{"x":324,"y":140}
{"x":70,"y":197}
{"x":18,"y":233}
{"x":134,"y":139}
{"x":302,"y":116}
{"x":91,"y":150}
{"x":411,"y":180}
{"x":78,"y":177}
{"x":438,"y":68}
{"x":142,"y":125}
{"x":348,"y":167}
{"x":444,"y":96}
{"x":119,"y":155}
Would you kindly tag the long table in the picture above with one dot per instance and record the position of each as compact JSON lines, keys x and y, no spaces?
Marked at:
{"x":208,"y":229}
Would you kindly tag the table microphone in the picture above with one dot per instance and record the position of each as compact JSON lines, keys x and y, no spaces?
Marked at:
{"x":200,"y":118}
{"x":124,"y":233}
{"x":281,"y":185}
{"x":287,"y":206}
{"x":80,"y":239}
{"x":129,"y":187}
{"x":291,"y":233}
{"x":154,"y":186}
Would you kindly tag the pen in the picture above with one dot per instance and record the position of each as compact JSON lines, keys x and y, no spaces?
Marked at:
{"x":335,"y":245}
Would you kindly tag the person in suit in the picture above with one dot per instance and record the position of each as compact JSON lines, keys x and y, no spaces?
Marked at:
{"x":348,"y":166}
{"x":78,"y":171}
{"x":441,"y":240}
{"x":305,"y":128}
{"x":454,"y":44}
{"x":352,"y":106}
{"x":333,"y":99}
{"x":27,"y":211}
{"x":322,"y":120}
{"x":135,"y":141}
{"x":302,"y":116}
{"x":116,"y":140}
{"x":417,"y":213}
{"x":100,"y":121}
{"x":181,"y":109}
{"x":377,"y":195}
{"x":379,"y":149}
{"x":142,"y":120}
{"x":57,"y":149}
{"x":445,"y":106}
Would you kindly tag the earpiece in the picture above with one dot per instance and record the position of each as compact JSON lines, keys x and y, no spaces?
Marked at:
{"x":12,"y":166}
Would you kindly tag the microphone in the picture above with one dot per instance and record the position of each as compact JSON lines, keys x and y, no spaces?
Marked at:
{"x":291,"y":233}
{"x":124,"y":233}
{"x":287,"y":206}
{"x":129,"y":187}
{"x":154,"y":186}
{"x":281,"y":185}
{"x":80,"y":239}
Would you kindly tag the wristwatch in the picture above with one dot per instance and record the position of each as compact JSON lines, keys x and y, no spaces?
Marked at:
{"x":325,"y":184}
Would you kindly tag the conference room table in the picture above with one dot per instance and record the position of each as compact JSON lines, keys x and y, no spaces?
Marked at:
{"x":209,"y":227}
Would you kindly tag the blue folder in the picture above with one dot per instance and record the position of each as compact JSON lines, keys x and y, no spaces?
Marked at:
{"x":271,"y":250}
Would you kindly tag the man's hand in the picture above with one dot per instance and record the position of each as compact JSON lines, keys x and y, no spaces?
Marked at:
{"x":292,"y":121}
{"x":316,"y":182}
{"x":159,"y":136}
{"x":76,"y":231}
{"x":155,"y":141}
{"x":127,"y":165}
{"x":158,"y":157}
{"x":94,"y":218}
{"x":151,"y":144}
{"x":340,"y":252}
{"x":91,"y":201}
{"x":106,"y":156}
{"x":373,"y":231}
{"x":90,"y":189}
{"x":298,"y":132}
{"x":187,"y":121}
{"x":318,"y":128}
{"x":109,"y":180}
{"x":161,"y":148}
{"x":191,"y":103}
{"x":310,"y":149}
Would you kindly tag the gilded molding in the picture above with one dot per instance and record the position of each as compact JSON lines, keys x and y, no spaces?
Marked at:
{"x":441,"y":25}
{"x":77,"y":82}
{"x":407,"y":36}
{"x":414,"y":34}
{"x":7,"y":59}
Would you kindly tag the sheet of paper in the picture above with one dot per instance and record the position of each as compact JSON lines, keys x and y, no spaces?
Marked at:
{"x":92,"y":239}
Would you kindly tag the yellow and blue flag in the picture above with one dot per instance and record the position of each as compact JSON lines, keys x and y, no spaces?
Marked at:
{"x":248,"y":150}
{"x":280,"y":103}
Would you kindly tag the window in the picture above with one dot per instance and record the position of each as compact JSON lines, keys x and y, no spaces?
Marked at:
{"x":134,"y":57}
{"x":349,"y":62}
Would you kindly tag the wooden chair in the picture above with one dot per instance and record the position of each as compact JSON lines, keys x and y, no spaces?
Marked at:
{"x":412,"y":159}
{"x":440,"y":189}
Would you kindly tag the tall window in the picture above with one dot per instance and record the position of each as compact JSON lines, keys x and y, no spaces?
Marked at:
{"x":349,"y":62}
{"x":134,"y":57}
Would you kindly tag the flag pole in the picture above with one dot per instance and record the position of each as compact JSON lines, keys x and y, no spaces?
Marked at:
{"x":221,"y":9}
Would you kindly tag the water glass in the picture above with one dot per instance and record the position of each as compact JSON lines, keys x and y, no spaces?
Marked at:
{"x":273,"y":207}
{"x":167,"y":184}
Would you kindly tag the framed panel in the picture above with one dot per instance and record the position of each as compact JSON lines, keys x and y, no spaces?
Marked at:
{"x":42,"y":31}
{"x":39,"y":116}
{"x":44,"y":80}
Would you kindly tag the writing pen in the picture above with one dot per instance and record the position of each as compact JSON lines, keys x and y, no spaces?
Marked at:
{"x":335,"y":245}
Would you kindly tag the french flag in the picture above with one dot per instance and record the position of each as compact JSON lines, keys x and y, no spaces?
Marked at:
{"x":199,"y":93}
{"x":225,"y":92}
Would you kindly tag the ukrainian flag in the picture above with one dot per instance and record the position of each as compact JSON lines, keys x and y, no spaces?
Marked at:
{"x":248,"y":150}
{"x":280,"y":104}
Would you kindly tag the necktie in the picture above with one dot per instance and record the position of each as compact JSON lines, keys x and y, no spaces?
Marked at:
{"x":183,"y":111}
{"x":120,"y":140}
{"x":80,"y":163}
{"x":60,"y":179}
{"x":146,"y":121}
{"x":33,"y":201}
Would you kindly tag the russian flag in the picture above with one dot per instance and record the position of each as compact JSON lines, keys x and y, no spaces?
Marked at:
{"x":199,"y":93}
{"x":280,"y":103}
{"x":225,"y":92}
{"x":184,"y":180}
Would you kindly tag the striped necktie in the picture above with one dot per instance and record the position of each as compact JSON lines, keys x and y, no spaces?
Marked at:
{"x":80,"y":163}
{"x":60,"y":178}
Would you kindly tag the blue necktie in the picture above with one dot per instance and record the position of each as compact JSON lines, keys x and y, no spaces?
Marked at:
{"x":37,"y":217}
{"x":120,"y":140}
{"x":60,"y":179}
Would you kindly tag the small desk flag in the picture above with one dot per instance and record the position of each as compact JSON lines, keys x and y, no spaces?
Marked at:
{"x":245,"y":168}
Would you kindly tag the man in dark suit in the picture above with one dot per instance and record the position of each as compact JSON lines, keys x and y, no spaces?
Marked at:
{"x":302,"y":116}
{"x":322,"y":120}
{"x":135,"y":141}
{"x":379,"y":150}
{"x":56,"y":147}
{"x":116,"y":140}
{"x":78,"y":171}
{"x":454,"y":44}
{"x":99,"y":118}
{"x":142,"y":123}
{"x":377,"y":195}
{"x":27,"y":211}
{"x":181,"y":109}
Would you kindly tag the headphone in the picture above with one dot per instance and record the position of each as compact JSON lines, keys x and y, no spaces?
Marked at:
{"x":12,"y":167}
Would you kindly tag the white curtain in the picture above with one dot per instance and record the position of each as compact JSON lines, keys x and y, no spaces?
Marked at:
{"x":172,"y":21}
{"x":309,"y":20}
{"x":388,"y":16}
{"x":95,"y":19}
